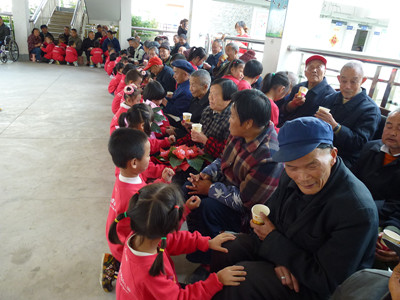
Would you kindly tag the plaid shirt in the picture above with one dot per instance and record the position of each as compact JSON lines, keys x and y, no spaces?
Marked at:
{"x":215,"y":127}
{"x":246,"y":174}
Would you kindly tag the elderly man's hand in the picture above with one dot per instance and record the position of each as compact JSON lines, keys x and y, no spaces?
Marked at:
{"x":206,"y":66}
{"x":187,"y":125}
{"x":327,"y":117}
{"x":164,"y":102}
{"x":199,"y":137}
{"x":200,"y":187}
{"x":296,"y":102}
{"x":287,"y":278}
{"x":383,"y":253}
{"x":263,"y":230}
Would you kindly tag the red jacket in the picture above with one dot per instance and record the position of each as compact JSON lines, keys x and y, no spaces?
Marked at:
{"x":121,"y":195}
{"x":235,"y":80}
{"x":48,"y":50}
{"x":114,"y":122}
{"x":118,"y":98}
{"x":274,"y":114}
{"x":134,"y":281}
{"x":156,"y":145}
{"x":110,"y":67}
{"x":58,"y":53}
{"x":121,"y":84}
{"x":96,"y":55}
{"x":112,"y":86}
{"x":71,"y":55}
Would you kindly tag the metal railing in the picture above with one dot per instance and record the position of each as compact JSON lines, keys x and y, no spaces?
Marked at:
{"x":43,"y":13}
{"x":250,"y":42}
{"x":78,"y":18}
{"x":379,"y":62}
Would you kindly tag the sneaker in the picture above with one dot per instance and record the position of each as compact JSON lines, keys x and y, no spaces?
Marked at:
{"x":57,"y":62}
{"x":92,"y":66}
{"x":109,"y":272}
{"x":68,"y":64}
{"x":51,"y":61}
{"x":75,"y":63}
{"x":98,"y":66}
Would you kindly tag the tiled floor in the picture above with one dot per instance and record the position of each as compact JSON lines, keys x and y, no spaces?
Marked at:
{"x":56,"y":178}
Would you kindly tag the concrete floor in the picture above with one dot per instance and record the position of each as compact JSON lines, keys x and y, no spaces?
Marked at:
{"x":56,"y":179}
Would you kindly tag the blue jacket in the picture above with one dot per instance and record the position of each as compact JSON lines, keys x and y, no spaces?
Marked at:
{"x":323,"y":238}
{"x":180,"y":101}
{"x":114,"y":42}
{"x":212,"y":60}
{"x":382,"y":181}
{"x":166,"y":78}
{"x":310,"y":107}
{"x":359,"y":119}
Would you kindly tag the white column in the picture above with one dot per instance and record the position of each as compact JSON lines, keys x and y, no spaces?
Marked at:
{"x":125,"y":23}
{"x":301,"y":28}
{"x":20,"y":10}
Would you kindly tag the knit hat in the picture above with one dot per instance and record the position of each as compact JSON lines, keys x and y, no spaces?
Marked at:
{"x":248,"y":55}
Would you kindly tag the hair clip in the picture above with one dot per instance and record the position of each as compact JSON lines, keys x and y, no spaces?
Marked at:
{"x":143,"y":73}
{"x":176,"y":206}
{"x":164,"y":238}
{"x":273,"y":74}
{"x":126,"y":122}
{"x":129,"y":89}
{"x":116,"y":221}
{"x":125,"y":215}
{"x":162,"y":249}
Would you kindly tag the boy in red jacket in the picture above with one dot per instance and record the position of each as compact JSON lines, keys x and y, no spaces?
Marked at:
{"x":71,"y":56}
{"x":48,"y":49}
{"x":96,"y":55}
{"x":58,"y":52}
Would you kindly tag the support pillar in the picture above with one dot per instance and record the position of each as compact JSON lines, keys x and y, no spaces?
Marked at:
{"x":20,"y":10}
{"x":301,"y":27}
{"x":125,"y":24}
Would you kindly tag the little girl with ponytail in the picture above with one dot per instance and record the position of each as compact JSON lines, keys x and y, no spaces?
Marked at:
{"x":147,"y":271}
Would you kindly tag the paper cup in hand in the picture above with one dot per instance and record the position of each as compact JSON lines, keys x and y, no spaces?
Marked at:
{"x":324,"y":109}
{"x":196,"y":127}
{"x":390,"y":236}
{"x":187,"y":116}
{"x":170,"y":94}
{"x":302,"y":91}
{"x":256,"y":212}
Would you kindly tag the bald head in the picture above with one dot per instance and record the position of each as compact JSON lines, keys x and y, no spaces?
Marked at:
{"x":351,"y":78}
{"x":355,"y":65}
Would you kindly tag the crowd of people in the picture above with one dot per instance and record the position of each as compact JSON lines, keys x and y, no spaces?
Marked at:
{"x":325,"y":162}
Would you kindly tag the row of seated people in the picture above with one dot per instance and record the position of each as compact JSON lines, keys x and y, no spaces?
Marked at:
{"x":329,"y":191}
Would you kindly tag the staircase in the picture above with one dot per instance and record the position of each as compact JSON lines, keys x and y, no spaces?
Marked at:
{"x":58,"y":20}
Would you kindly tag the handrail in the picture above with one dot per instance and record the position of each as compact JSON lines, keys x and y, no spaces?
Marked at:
{"x":6,"y":13}
{"x":75,"y":13}
{"x":37,"y":12}
{"x":244,"y":39}
{"x":152,"y":29}
{"x":350,"y":55}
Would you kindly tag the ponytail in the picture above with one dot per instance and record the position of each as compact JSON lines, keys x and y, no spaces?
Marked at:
{"x":158,"y":265}
{"x":138,"y":114}
{"x":122,"y":122}
{"x":273,"y":80}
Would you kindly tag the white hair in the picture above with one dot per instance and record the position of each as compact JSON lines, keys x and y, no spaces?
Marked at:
{"x":355,"y":65}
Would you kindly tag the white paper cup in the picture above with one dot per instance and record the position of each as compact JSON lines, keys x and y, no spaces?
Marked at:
{"x":324,"y":109}
{"x":302,"y":91}
{"x":196,"y":127}
{"x":391,"y":236}
{"x":170,"y":94}
{"x":187,"y":116}
{"x":145,"y":62}
{"x":256,"y":212}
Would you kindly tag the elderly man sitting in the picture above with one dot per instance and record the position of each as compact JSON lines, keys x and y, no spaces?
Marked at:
{"x":298,"y":105}
{"x":213,"y":58}
{"x":165,"y":54}
{"x":180,"y":101}
{"x":231,"y":51}
{"x":135,"y":50}
{"x":379,"y":169}
{"x":164,"y":74}
{"x":353,"y":115}
{"x":322,"y":226}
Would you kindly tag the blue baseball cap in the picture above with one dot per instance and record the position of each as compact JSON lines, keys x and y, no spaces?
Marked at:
{"x":301,"y":136}
{"x":184,"y":65}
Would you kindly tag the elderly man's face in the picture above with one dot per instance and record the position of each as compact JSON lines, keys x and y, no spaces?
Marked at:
{"x":391,"y":133}
{"x":315,"y":72}
{"x":216,"y":48}
{"x":196,"y":88}
{"x":230,"y":52}
{"x":109,"y":35}
{"x":164,"y":53}
{"x":182,"y":50}
{"x":311,"y":172}
{"x":91,"y":35}
{"x":350,"y":82}
{"x":66,"y":30}
{"x":180,"y":75}
{"x":182,"y":41}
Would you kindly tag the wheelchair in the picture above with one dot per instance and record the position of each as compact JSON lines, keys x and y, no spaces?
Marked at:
{"x":9,"y":50}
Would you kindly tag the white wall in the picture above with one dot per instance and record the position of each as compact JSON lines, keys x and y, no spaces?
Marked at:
{"x":20,"y":10}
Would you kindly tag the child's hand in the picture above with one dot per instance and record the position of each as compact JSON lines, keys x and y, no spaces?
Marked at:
{"x":215,"y":243}
{"x":167,"y":174}
{"x":170,"y":130}
{"x":232,"y":275}
{"x":171,"y":139}
{"x":187,"y":125}
{"x":193,"y":202}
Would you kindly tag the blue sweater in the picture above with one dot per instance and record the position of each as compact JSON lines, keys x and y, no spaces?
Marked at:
{"x":114,"y":42}
{"x":180,"y":101}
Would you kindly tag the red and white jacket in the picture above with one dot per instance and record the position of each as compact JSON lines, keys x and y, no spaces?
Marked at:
{"x":96,"y":55}
{"x":48,"y":49}
{"x":71,"y":55}
{"x":112,"y":86}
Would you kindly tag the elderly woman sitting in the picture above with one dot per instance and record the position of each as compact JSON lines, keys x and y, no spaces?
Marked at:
{"x":34,"y":43}
{"x":214,"y":119}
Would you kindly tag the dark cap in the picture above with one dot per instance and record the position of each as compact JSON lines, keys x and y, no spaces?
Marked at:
{"x":184,"y":65}
{"x":165,"y":46}
{"x":316,"y":57}
{"x":182,"y":35}
{"x":131,"y":39}
{"x":299,"y":137}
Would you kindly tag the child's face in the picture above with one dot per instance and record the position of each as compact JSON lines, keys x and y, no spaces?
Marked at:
{"x":73,"y":45}
{"x":139,"y":166}
{"x":138,"y":82}
{"x":238,"y":72}
{"x":47,"y":40}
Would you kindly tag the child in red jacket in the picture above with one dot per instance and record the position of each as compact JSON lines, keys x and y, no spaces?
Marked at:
{"x":112,"y":86}
{"x":147,"y":271}
{"x":58,"y":52}
{"x":48,"y":49}
{"x":71,"y":56}
{"x":130,"y":151}
{"x":130,"y":76}
{"x":96,"y":55}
